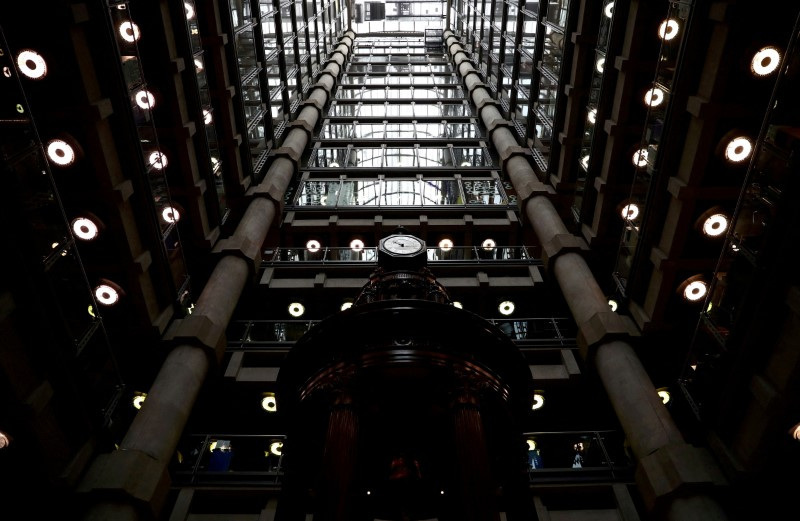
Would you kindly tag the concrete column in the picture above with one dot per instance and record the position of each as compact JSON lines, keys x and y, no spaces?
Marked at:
{"x":132,"y":482}
{"x":668,"y":467}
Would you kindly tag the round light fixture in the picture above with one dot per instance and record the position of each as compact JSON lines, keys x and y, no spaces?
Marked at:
{"x":488,"y":244}
{"x":715,"y":225}
{"x":446,"y":245}
{"x":170,"y":214}
{"x":695,"y":290}
{"x":538,"y":401}
{"x":296,"y":309}
{"x":457,"y":304}
{"x":60,"y":152}
{"x":85,"y":229}
{"x":531,"y":444}
{"x":158,"y":160}
{"x":630,"y":211}
{"x":738,"y":149}
{"x":198,"y":64}
{"x":600,"y":64}
{"x":4,"y":440}
{"x":31,"y":64}
{"x":608,"y":10}
{"x":668,"y":29}
{"x":276,"y":448}
{"x":189,"y":10}
{"x":506,"y":307}
{"x":333,"y":164}
{"x":639,"y":158}
{"x":795,"y":432}
{"x":654,"y":97}
{"x":613,"y":304}
{"x":269,"y":403}
{"x":664,"y":395}
{"x":129,"y":31}
{"x":106,"y":294}
{"x":145,"y":99}
{"x":138,"y":399}
{"x":346,"y":305}
{"x":592,"y":116}
{"x":585,"y":162}
{"x":765,"y":61}
{"x":313,"y":246}
{"x":356,"y":245}
{"x":207,"y":117}
{"x":466,"y":163}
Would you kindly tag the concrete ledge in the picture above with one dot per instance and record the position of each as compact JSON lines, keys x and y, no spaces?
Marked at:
{"x":131,"y":477}
{"x":240,"y":247}
{"x":676,"y":470}
{"x":559,"y":245}
{"x":271,"y":191}
{"x":601,"y":328}
{"x":198,"y":331}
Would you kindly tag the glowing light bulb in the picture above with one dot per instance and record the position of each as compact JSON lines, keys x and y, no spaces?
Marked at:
{"x":85,"y":229}
{"x":296,"y":309}
{"x":630,"y":212}
{"x":765,"y":61}
{"x":170,"y":214}
{"x":145,"y":99}
{"x":129,"y":31}
{"x":106,"y":295}
{"x":738,"y":149}
{"x":506,"y":307}
{"x":695,"y":291}
{"x":654,"y":97}
{"x":31,"y":64}
{"x":60,"y":152}
{"x":715,"y":225}
{"x":668,"y":29}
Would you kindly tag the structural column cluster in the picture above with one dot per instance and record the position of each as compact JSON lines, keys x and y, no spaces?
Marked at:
{"x":674,"y":477}
{"x":132,"y":482}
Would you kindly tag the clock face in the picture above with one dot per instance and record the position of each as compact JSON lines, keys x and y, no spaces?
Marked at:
{"x":403,"y":244}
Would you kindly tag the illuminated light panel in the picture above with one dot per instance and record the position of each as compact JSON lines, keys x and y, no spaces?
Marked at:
{"x":630,"y":211}
{"x":654,"y":97}
{"x":639,"y":158}
{"x":170,"y":214}
{"x":538,"y":401}
{"x":356,"y":245}
{"x":129,"y":31}
{"x":85,"y":229}
{"x":106,"y":295}
{"x":695,"y":291}
{"x":668,"y":29}
{"x":145,"y":99}
{"x":765,"y":61}
{"x":139,"y":399}
{"x":738,"y":149}
{"x":506,"y":307}
{"x":269,"y":403}
{"x":296,"y":309}
{"x":158,"y":160}
{"x":715,"y":225}
{"x":600,"y":64}
{"x":313,"y":246}
{"x":60,"y":152}
{"x":31,"y":64}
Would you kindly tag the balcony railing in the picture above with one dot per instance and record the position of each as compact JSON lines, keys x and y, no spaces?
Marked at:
{"x":549,"y":332}
{"x":455,"y":254}
{"x":248,"y":460}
